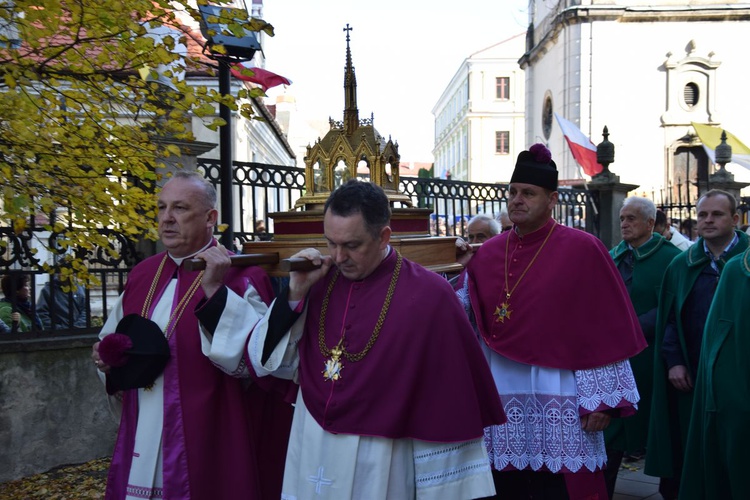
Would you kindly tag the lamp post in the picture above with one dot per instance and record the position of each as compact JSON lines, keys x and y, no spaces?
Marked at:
{"x":226,"y":48}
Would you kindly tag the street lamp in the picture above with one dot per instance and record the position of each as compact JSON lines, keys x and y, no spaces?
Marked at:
{"x":225,"y":48}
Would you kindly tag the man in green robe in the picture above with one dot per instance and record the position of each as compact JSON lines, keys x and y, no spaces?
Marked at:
{"x":716,"y":458}
{"x":641,"y":257}
{"x":687,"y":291}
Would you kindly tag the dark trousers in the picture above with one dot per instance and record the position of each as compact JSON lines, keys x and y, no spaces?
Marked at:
{"x":669,"y":487}
{"x":529,"y":485}
{"x":614,"y":460}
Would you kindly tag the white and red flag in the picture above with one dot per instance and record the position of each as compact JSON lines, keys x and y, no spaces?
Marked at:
{"x":584,"y":151}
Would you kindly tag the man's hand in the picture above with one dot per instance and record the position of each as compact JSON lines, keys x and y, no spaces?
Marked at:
{"x":299,"y":281}
{"x":595,"y":422}
{"x":680,"y":378}
{"x":464,"y":251}
{"x":217,"y":263}
{"x":97,"y":360}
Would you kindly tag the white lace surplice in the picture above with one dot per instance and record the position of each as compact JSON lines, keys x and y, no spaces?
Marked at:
{"x":543,"y":405}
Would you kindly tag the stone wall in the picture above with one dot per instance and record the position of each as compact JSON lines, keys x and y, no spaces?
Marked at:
{"x":53,"y":408}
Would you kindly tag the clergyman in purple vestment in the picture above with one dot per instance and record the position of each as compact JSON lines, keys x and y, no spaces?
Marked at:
{"x":394,"y":390}
{"x":558,"y":328}
{"x":194,"y":432}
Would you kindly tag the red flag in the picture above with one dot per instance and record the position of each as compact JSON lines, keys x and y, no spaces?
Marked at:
{"x":584,"y":151}
{"x":262,"y":77}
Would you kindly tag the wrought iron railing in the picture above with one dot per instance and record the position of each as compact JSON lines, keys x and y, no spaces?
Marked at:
{"x":259,"y":190}
{"x":24,"y":254}
{"x":262,"y":189}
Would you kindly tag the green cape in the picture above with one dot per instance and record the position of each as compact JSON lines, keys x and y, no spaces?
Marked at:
{"x":650,"y":261}
{"x":716,"y":458}
{"x":668,"y":433}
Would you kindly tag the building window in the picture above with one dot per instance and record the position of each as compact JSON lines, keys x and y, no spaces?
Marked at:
{"x":547,"y":115}
{"x":502,"y":141}
{"x":502,"y":88}
{"x":691,"y":94}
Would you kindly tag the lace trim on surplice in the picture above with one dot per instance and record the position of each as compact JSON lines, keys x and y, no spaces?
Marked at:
{"x":544,"y":432}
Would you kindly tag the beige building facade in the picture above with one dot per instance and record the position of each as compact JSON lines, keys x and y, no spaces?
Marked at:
{"x":479,"y":118}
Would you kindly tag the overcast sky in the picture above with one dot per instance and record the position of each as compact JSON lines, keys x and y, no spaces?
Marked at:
{"x":405,"y":53}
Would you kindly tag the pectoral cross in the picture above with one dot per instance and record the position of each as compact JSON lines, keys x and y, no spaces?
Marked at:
{"x":502,"y":311}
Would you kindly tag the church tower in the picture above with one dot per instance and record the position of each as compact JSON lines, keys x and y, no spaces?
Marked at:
{"x":646,"y":70}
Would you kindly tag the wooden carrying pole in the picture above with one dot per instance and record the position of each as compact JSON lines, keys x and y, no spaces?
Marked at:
{"x":256,"y":259}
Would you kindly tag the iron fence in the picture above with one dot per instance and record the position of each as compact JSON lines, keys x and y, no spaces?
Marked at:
{"x":259,"y":190}
{"x":678,"y":202}
{"x":24,"y":254}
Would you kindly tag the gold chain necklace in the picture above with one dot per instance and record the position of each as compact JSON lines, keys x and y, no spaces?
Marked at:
{"x":174,"y":318}
{"x":503,"y":310}
{"x":333,"y":366}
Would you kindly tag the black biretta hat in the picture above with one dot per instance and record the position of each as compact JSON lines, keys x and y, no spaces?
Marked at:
{"x":137,"y":353}
{"x":536,"y":167}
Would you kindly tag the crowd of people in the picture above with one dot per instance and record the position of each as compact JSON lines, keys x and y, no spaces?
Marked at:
{"x":59,"y":306}
{"x":529,"y":375}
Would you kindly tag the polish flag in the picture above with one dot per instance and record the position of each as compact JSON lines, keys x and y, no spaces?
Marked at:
{"x":262,"y":77}
{"x":584,"y":151}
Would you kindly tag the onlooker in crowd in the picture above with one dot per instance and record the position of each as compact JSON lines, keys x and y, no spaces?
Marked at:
{"x":641,"y":258}
{"x":15,"y":308}
{"x":505,"y":223}
{"x":193,"y":432}
{"x":662,"y":227}
{"x":716,"y":461}
{"x":260,"y":231}
{"x":394,"y":390}
{"x":59,"y":309}
{"x":688,"y":228}
{"x":686,"y":294}
{"x":558,"y":344}
{"x":481,"y":228}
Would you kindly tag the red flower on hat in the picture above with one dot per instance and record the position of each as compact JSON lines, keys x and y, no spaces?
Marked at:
{"x":113,"y":349}
{"x":540,"y":152}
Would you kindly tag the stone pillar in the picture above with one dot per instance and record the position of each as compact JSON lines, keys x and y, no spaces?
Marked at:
{"x":611,"y":193}
{"x":724,"y":180}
